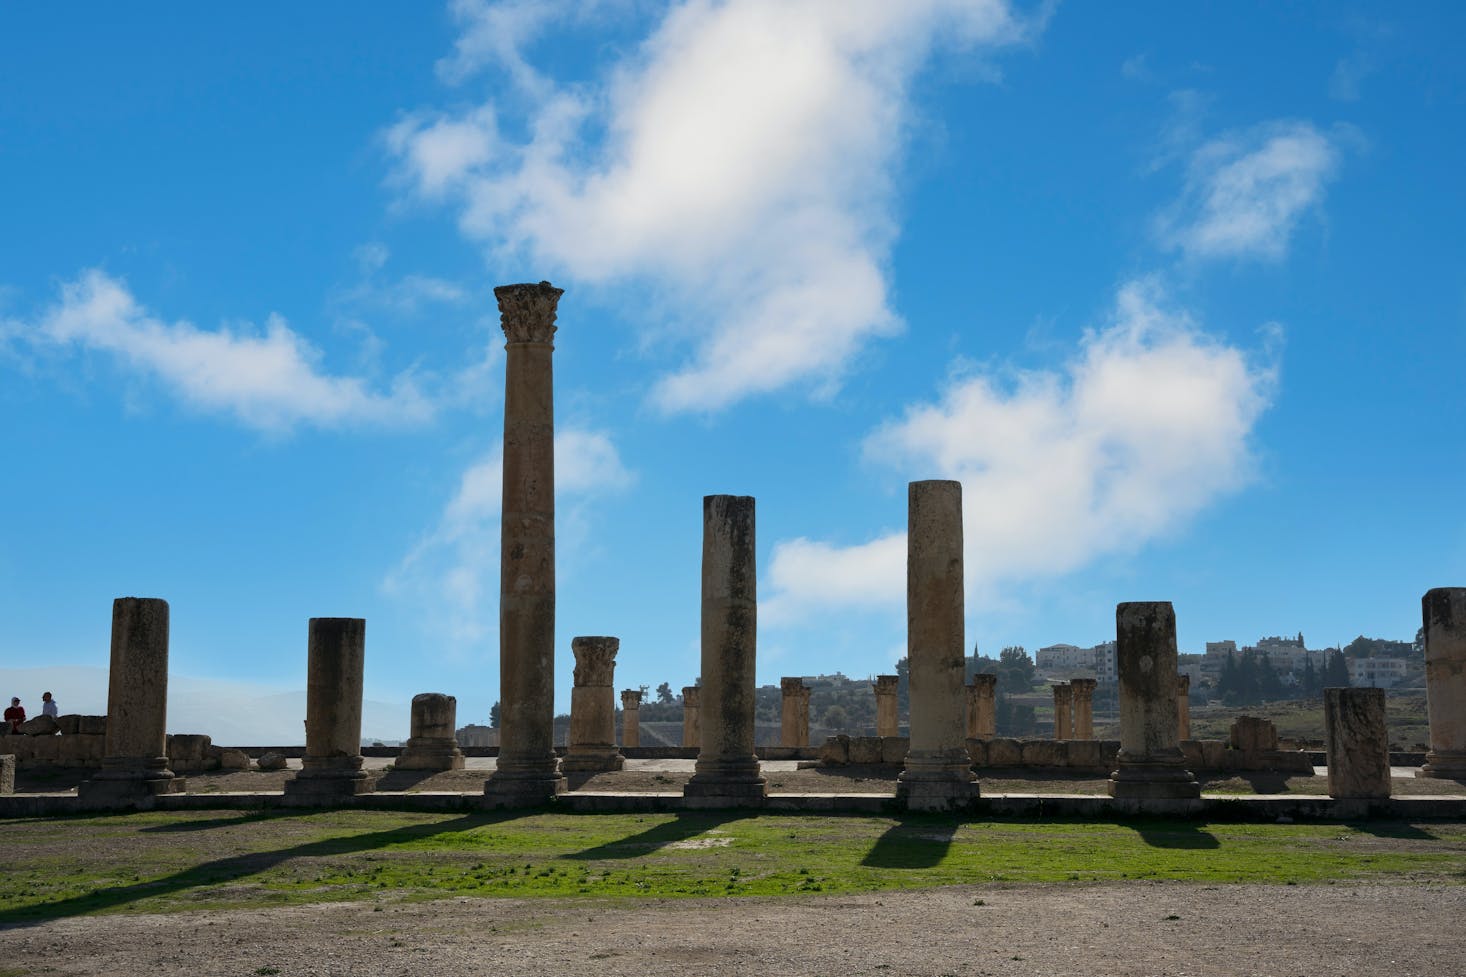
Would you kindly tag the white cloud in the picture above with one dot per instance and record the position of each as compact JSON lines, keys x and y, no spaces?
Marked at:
{"x":739,"y":163}
{"x":1246,"y":192}
{"x":267,"y":380}
{"x":1147,"y":426}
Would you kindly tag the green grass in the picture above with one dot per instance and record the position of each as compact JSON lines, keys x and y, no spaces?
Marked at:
{"x":170,"y":862}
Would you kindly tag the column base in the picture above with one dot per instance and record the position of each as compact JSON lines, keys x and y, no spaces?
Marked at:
{"x":122,"y":788}
{"x":1163,"y":778}
{"x":512,"y":789}
{"x":713,"y":793}
{"x":314,"y":786}
{"x":592,"y":761}
{"x":1444,"y":765}
{"x":937,"y":780}
{"x":430,"y":756}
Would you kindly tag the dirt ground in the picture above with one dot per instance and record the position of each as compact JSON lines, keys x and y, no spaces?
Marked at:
{"x":1140,"y":929}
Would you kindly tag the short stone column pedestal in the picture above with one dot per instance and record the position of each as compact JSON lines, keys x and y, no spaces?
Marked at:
{"x":1183,"y":706}
{"x":982,"y":707}
{"x":938,"y":772}
{"x":888,"y":721}
{"x":631,"y":717}
{"x":794,"y":713}
{"x":135,"y":761}
{"x":1150,"y":763}
{"x":592,"y":747}
{"x":1063,"y":706}
{"x":727,"y":773}
{"x":432,"y":746}
{"x":1083,"y":707}
{"x":1444,"y":612}
{"x":1356,"y":742}
{"x":332,"y":766}
{"x":526,"y":773}
{"x":691,"y":715}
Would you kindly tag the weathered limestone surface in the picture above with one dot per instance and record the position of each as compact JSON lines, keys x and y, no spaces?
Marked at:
{"x":1252,"y":734}
{"x":835,"y":751}
{"x":794,"y":712}
{"x":135,"y":767}
{"x":190,"y":752}
{"x":1063,"y":703}
{"x":1083,"y":707}
{"x":938,"y":773}
{"x":982,"y":709}
{"x":527,"y":772}
{"x":1183,"y":706}
{"x":727,"y":771}
{"x":40,"y":726}
{"x":1150,"y":764}
{"x":691,"y":715}
{"x":592,"y":745}
{"x":887,"y":715}
{"x":335,"y":662}
{"x":432,"y":745}
{"x":1444,"y":614}
{"x":7,"y":773}
{"x":1357,"y":743}
{"x":631,"y":717}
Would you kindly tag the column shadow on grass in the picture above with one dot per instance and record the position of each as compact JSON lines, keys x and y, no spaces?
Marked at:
{"x":1394,"y":829}
{"x":235,"y":867}
{"x":914,"y":841}
{"x":682,"y":827}
{"x":1173,"y":834}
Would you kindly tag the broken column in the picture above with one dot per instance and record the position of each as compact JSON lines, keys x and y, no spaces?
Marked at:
{"x":1356,"y":743}
{"x":1150,"y":764}
{"x":794,"y":713}
{"x":592,"y":746}
{"x":433,"y":745}
{"x":135,"y":762}
{"x":1083,"y":707}
{"x":938,"y":773}
{"x":526,"y":773}
{"x":1183,"y":706}
{"x":982,"y":707}
{"x":727,"y":771}
{"x":631,"y":717}
{"x":887,"y":713}
{"x":1063,"y":702}
{"x":335,"y":662}
{"x":691,"y":712}
{"x":1444,"y":612}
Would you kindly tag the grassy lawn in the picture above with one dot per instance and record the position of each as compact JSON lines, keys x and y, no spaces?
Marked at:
{"x":180,"y":861}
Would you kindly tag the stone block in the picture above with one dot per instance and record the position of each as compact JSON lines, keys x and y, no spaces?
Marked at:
{"x":1191,"y":750}
{"x":1088,"y":755}
{"x":92,"y":725}
{"x":1252,"y":734}
{"x":1004,"y":752}
{"x":7,"y":773}
{"x":69,"y":724}
{"x":894,"y":748}
{"x":72,"y":751}
{"x":1357,"y":743}
{"x":273,"y":761}
{"x":978,"y":750}
{"x":40,"y":726}
{"x":866,"y":749}
{"x":1044,"y":753}
{"x":1212,"y":754}
{"x":230,"y":759}
{"x":45,"y":750}
{"x":188,"y":752}
{"x":836,"y":750}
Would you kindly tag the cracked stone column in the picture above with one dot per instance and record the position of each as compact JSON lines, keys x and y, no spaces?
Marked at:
{"x":888,"y":722}
{"x":1083,"y":707}
{"x":336,"y":659}
{"x":135,"y":761}
{"x":592,"y":746}
{"x":691,"y":715}
{"x":631,"y":717}
{"x":1150,"y":762}
{"x":1356,"y":743}
{"x":1444,"y":613}
{"x":1183,"y":706}
{"x":794,"y":713}
{"x":727,"y":771}
{"x":982,"y":707}
{"x":432,"y":746}
{"x":1063,"y":705}
{"x":938,"y":773}
{"x":527,"y":774}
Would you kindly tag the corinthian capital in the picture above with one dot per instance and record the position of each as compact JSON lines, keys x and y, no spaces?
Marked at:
{"x":527,"y":311}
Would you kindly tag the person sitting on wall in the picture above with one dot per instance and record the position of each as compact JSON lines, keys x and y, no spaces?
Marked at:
{"x":48,"y":705}
{"x":15,"y":715}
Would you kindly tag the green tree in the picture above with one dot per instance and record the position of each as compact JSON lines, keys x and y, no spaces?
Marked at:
{"x":494,"y":714}
{"x":1015,"y":669}
{"x":664,"y":693}
{"x":1336,"y":671}
{"x":835,"y":717}
{"x":1309,"y":685}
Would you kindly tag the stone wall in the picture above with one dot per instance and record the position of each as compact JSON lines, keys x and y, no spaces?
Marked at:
{"x":82,"y":739}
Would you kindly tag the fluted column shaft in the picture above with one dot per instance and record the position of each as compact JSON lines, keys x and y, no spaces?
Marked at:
{"x":1083,"y":707}
{"x":1443,"y":611}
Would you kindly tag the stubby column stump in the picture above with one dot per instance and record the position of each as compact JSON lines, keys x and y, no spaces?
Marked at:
{"x":1356,"y":742}
{"x":1151,"y":766}
{"x":432,"y":746}
{"x":592,"y":746}
{"x":332,"y":766}
{"x":1444,"y":613}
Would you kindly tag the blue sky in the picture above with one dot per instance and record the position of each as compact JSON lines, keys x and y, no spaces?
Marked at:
{"x":1177,"y":291}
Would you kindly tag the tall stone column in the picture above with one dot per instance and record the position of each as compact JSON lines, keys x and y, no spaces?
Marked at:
{"x":433,"y":745}
{"x":1356,"y":743}
{"x":592,"y":746}
{"x":888,"y":721}
{"x":727,"y":771}
{"x":526,"y":773}
{"x":135,"y":761}
{"x":1083,"y":707}
{"x":1444,"y":612}
{"x":336,"y":659}
{"x":1063,"y":705}
{"x":631,"y":717}
{"x":1183,"y":706}
{"x":982,"y":707}
{"x":1151,"y":765}
{"x":938,"y":773}
{"x":691,"y":715}
{"x":794,"y":713}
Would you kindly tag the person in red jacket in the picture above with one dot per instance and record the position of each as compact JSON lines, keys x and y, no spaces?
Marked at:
{"x":15,"y":715}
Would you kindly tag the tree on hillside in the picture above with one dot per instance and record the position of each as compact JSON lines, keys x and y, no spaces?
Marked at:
{"x":494,"y":714}
{"x":664,"y":693}
{"x":1015,"y":669}
{"x":1336,"y":671}
{"x":1309,"y":685}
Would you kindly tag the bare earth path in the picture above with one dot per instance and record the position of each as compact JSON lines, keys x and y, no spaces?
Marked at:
{"x":1148,"y":929}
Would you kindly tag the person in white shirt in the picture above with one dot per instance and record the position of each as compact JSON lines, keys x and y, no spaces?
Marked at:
{"x":48,"y":705}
